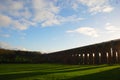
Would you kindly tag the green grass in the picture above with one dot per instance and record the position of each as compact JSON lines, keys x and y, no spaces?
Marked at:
{"x":59,"y":72}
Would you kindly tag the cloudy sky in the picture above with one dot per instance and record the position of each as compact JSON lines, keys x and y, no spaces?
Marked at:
{"x":53,"y":25}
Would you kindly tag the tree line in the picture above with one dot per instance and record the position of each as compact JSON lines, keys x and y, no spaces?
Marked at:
{"x":17,"y":56}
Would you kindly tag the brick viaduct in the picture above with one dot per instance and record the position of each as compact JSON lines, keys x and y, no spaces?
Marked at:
{"x":101,"y":53}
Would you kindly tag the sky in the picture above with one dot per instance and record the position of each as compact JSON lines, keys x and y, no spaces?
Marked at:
{"x":54,"y":25}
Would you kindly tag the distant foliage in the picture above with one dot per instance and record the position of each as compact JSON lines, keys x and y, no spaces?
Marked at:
{"x":14,"y":56}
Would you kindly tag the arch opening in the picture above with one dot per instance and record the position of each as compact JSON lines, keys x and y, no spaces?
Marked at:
{"x":93,"y":55}
{"x":107,"y":55}
{"x":116,"y":56}
{"x":88,"y":58}
{"x":99,"y":58}
{"x":83,"y":58}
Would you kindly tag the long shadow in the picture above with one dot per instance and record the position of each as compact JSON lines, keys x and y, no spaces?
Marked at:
{"x":44,"y":68}
{"x":80,"y":69}
{"x":113,"y":74}
{"x":41,"y":68}
{"x":30,"y":74}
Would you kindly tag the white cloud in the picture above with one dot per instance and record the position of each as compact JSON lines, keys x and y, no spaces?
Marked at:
{"x":12,"y":7}
{"x":72,"y":18}
{"x":107,"y":9}
{"x":6,"y":45}
{"x":75,"y":6}
{"x":86,"y":31}
{"x":16,"y":9}
{"x":45,"y":12}
{"x":15,"y":5}
{"x":5,"y":35}
{"x":50,"y":22}
{"x":111,"y":28}
{"x":96,"y":6}
{"x":20,"y":48}
{"x":22,"y":14}
{"x":19,"y":26}
{"x":46,"y":18}
{"x":44,"y":5}
{"x":5,"y":20}
{"x":13,"y":13}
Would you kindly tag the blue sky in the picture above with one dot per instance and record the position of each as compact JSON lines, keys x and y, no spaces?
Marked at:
{"x":54,"y":25}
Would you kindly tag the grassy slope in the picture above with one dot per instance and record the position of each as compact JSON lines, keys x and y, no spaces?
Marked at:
{"x":58,"y":72}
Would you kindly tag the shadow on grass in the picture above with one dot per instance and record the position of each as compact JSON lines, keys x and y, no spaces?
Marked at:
{"x":35,"y":73}
{"x":80,"y":69}
{"x":113,"y":74}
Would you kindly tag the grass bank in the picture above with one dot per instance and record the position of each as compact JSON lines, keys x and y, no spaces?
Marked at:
{"x":59,"y":72}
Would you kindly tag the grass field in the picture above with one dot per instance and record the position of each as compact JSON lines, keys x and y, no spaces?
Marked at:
{"x":58,"y":72}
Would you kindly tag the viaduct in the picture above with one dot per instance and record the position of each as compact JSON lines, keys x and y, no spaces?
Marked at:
{"x":101,"y":53}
